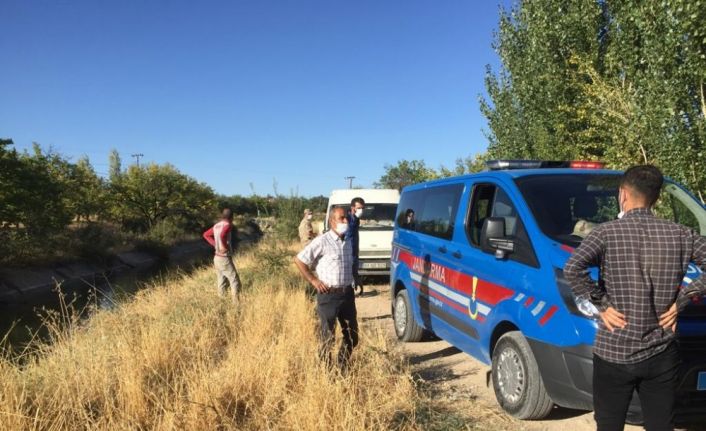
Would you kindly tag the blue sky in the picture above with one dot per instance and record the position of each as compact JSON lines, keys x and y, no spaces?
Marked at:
{"x":238,"y":92}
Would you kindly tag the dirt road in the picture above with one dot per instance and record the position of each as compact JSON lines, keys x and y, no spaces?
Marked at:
{"x":460,"y":378}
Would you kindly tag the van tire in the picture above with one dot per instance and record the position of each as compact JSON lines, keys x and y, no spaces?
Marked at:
{"x":406,"y":327}
{"x":518,"y":385}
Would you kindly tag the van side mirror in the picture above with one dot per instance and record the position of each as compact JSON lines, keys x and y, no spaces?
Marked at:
{"x":493,"y":238}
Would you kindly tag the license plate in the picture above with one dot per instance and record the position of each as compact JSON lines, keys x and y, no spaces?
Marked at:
{"x":701,"y":381}
{"x":374,"y":265}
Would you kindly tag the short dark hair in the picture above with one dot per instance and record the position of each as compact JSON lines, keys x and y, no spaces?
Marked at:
{"x":357,"y":200}
{"x":332,"y":213}
{"x":409,"y":211}
{"x":645,"y":180}
{"x":227,"y":213}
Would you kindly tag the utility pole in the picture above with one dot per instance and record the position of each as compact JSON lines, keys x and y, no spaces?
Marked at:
{"x":350,"y":181}
{"x":137,"y":158}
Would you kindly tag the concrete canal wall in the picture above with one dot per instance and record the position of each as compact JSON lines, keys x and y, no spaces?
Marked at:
{"x":18,"y":285}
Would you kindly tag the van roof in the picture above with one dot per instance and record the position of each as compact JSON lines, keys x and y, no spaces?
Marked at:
{"x":518,"y":173}
{"x":369,"y":195}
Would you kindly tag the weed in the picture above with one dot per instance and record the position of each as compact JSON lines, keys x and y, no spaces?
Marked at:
{"x":177,"y":356}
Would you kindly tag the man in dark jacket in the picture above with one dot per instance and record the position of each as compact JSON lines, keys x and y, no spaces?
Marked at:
{"x":353,"y":234}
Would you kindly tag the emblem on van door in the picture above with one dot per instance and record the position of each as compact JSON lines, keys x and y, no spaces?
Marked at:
{"x":472,"y":303}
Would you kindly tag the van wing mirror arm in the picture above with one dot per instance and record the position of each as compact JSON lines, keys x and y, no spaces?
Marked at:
{"x":502,"y":246}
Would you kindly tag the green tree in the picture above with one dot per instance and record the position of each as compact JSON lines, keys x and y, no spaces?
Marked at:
{"x":86,"y":191}
{"x":12,"y":171}
{"x":32,"y":206}
{"x":288,"y":212}
{"x":43,"y":186}
{"x":656,"y":61}
{"x":531,"y":107}
{"x":78,"y":191}
{"x":241,"y":205}
{"x":404,"y":173}
{"x":621,"y":81}
{"x":467,"y":165}
{"x":147,"y":195}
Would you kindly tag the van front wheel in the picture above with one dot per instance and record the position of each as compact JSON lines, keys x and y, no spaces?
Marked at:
{"x":516,"y":380}
{"x":406,"y":327}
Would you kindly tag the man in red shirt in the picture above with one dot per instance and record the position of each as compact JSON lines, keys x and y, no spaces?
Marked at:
{"x":221,"y":237}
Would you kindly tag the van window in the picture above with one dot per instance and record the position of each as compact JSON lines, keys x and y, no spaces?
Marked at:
{"x":407,"y":210}
{"x":431,"y":211}
{"x":375,"y":216}
{"x":489,"y":200}
{"x":481,"y":206}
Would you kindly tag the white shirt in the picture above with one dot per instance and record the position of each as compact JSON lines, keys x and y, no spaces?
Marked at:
{"x":331,"y":258}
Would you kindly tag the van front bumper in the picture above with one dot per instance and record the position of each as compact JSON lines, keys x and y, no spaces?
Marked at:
{"x":567,"y":373}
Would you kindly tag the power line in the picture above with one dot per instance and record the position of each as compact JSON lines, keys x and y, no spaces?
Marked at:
{"x":350,"y":181}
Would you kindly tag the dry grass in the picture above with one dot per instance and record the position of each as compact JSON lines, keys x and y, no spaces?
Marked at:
{"x":178,"y":357}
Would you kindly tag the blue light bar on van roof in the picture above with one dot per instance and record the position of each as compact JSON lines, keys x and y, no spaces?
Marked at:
{"x":496,"y":165}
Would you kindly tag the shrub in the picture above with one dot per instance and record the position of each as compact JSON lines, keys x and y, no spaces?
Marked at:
{"x":166,"y":232}
{"x":288,"y":213}
{"x":93,"y":241}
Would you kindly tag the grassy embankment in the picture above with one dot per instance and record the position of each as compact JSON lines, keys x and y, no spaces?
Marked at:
{"x":178,"y":357}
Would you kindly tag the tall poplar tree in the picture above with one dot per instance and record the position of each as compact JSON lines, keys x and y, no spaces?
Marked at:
{"x":622,"y":81}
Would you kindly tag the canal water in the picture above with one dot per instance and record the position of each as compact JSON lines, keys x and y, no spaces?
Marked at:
{"x":20,"y":321}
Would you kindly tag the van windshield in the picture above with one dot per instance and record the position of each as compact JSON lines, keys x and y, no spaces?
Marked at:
{"x":378,"y":217}
{"x":375,"y":216}
{"x":568,"y":207}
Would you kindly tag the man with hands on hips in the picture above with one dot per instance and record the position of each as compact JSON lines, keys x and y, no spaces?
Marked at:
{"x":331,"y":256}
{"x":642,"y":260}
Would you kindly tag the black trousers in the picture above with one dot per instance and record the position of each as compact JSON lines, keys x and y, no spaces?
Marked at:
{"x":655,"y":380}
{"x":332,"y":307}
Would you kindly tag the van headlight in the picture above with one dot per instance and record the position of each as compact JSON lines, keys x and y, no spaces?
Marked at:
{"x":578,"y":306}
{"x":587,"y":308}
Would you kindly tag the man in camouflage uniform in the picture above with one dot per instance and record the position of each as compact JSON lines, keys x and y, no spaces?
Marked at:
{"x":306,"y":230}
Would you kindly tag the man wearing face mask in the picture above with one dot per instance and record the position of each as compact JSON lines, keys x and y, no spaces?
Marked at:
{"x":331,"y":256}
{"x":353,"y":217}
{"x":642,"y":260}
{"x":306,"y":230}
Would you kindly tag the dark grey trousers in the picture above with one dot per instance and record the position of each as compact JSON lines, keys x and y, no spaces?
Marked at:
{"x":332,"y":307}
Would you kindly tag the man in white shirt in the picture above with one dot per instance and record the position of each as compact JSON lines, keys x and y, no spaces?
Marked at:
{"x":331,"y":256}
